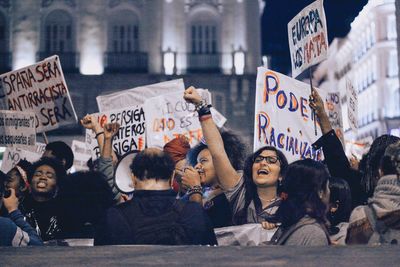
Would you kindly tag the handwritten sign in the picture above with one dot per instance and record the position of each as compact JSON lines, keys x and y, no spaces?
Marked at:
{"x":138,"y":95}
{"x":41,"y":89}
{"x":283,"y":116}
{"x":308,"y":38}
{"x":333,"y":108}
{"x":168,"y":116}
{"x":352,"y":105}
{"x":13,"y":155}
{"x":81,"y":155}
{"x":131,"y":135}
{"x":17,"y":129}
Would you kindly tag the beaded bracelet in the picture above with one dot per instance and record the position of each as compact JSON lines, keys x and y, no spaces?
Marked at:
{"x":201,"y":105}
{"x":197,"y":189}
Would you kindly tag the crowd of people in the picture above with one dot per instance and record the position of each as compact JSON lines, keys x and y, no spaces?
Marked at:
{"x":183,"y":194}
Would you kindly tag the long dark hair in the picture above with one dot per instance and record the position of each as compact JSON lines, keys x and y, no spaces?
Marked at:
{"x":251,"y":188}
{"x":303,"y":181}
{"x":341,"y":196}
{"x":370,"y":171}
{"x":233,"y":145}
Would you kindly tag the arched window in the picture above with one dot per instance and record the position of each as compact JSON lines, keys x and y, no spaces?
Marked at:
{"x":4,"y":50}
{"x":58,"y":32}
{"x":204,"y":42}
{"x":124,"y":43}
{"x":58,"y":38}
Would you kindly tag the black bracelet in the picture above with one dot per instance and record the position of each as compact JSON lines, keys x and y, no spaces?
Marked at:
{"x":97,"y":135}
{"x":205,"y":110}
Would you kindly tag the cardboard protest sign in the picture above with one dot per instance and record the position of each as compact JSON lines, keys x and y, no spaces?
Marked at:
{"x":41,"y":89}
{"x":352,"y":105}
{"x":131,"y":135}
{"x":81,"y":155}
{"x":13,"y":155}
{"x":334,"y":111}
{"x":252,"y":234}
{"x":283,"y":116}
{"x":308,"y":37}
{"x":138,"y":95}
{"x":17,"y":129}
{"x":168,"y":116}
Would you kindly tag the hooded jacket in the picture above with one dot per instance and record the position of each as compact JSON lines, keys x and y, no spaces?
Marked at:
{"x":379,"y":221}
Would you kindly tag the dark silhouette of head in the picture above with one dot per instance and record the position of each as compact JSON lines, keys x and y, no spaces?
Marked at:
{"x":61,"y":151}
{"x":373,"y":160}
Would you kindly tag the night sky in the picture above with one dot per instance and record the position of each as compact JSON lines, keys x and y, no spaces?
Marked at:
{"x":277,"y":14}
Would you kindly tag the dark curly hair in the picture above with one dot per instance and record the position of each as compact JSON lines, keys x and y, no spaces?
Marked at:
{"x":233,"y":145}
{"x":303,"y":181}
{"x":152,"y":165}
{"x":62,"y":151}
{"x":373,"y":159}
{"x":251,"y":188}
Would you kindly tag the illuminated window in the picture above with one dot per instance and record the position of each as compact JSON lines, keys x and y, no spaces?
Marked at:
{"x":204,"y":38}
{"x":124,"y":49}
{"x":58,"y":33}
{"x":203,"y":42}
{"x":124,"y":33}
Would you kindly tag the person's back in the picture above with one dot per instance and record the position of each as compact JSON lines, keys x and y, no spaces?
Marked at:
{"x":379,"y":221}
{"x":154,"y":216}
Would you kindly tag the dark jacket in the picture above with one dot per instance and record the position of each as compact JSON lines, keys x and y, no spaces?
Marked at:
{"x":115,"y":229}
{"x":339,"y":166}
{"x":43,"y":216}
{"x":16,"y":232}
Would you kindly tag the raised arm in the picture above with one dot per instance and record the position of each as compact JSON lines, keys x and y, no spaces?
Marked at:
{"x":227,"y":175}
{"x":91,"y":122}
{"x":334,"y":154}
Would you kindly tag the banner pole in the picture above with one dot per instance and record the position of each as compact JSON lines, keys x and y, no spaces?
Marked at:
{"x":313,"y":111}
{"x":45,"y":138}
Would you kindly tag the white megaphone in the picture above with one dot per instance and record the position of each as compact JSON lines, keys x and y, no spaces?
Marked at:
{"x":122,"y":177}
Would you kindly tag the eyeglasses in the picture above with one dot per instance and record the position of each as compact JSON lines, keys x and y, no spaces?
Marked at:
{"x":268,"y":159}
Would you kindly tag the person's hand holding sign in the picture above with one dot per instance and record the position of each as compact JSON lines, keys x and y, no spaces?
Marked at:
{"x":192,"y":96}
{"x":90,"y":122}
{"x":110,"y":129}
{"x":317,"y":104}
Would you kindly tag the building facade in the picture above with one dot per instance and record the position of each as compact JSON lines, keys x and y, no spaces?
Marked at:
{"x":368,"y":57}
{"x":108,"y":45}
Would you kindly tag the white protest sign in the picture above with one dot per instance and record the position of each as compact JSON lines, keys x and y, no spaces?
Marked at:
{"x":283,"y":118}
{"x":131,"y":135}
{"x":168,"y":116}
{"x":218,"y":118}
{"x":41,"y":89}
{"x":352,"y":105}
{"x":13,"y":155}
{"x":333,"y":108}
{"x":17,"y":129}
{"x":308,"y":37}
{"x":81,"y":155}
{"x":138,"y":95}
